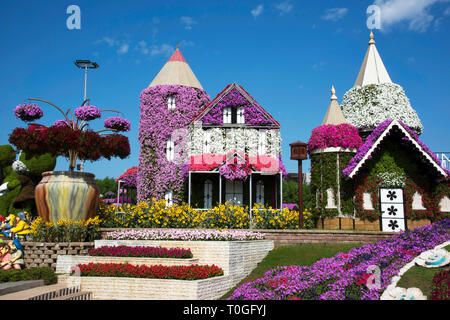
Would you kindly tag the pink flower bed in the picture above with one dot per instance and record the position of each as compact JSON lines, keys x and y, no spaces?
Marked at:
{"x":342,"y":135}
{"x":141,"y":252}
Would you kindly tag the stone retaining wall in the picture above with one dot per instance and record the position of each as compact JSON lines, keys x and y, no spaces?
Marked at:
{"x":361,"y":225}
{"x":236,"y":258}
{"x":114,"y":288}
{"x":45,"y":254}
{"x":294,"y":237}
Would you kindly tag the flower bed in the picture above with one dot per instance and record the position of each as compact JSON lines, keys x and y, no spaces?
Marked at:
{"x":147,"y":252}
{"x":193,"y":272}
{"x":224,"y":216}
{"x":345,"y":276}
{"x":185,"y":235}
{"x":441,"y":286}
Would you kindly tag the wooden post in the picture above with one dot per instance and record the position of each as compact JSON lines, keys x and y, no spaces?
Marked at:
{"x":300,"y":194}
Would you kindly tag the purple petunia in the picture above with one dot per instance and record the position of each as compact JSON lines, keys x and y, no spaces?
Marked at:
{"x":87,"y":113}
{"x":28,"y":112}
{"x":118,"y":124}
{"x":347,"y":276}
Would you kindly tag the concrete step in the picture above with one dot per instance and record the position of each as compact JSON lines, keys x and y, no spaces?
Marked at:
{"x":81,"y":295}
{"x":11,"y":287}
{"x":42,"y":293}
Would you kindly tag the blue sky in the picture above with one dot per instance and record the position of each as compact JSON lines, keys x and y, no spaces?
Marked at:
{"x":286,"y":54}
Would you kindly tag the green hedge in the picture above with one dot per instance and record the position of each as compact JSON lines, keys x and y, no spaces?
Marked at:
{"x":45,"y":273}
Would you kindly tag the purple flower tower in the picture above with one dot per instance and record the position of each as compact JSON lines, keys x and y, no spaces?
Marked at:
{"x":171,"y":101}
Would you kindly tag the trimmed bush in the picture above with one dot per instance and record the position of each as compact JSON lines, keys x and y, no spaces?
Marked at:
{"x":45,"y":273}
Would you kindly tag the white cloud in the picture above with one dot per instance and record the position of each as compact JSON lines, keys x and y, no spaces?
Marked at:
{"x":416,"y":13}
{"x":257,"y":11}
{"x":164,"y":49}
{"x":123,"y":48}
{"x":143,"y":47}
{"x":335,"y":14}
{"x":284,"y":7}
{"x":188,"y":22}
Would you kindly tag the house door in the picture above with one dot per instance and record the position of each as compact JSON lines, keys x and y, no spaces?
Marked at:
{"x":234,"y":192}
{"x":392,"y":210}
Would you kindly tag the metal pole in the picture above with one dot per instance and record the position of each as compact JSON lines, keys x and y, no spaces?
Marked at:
{"x":251,"y":205}
{"x":118,"y":193}
{"x":300,"y":194}
{"x":220,"y":188}
{"x":85,"y":86}
{"x":281,"y":191}
{"x":189,"y":192}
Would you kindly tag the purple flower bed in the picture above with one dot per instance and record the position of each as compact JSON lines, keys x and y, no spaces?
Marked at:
{"x":329,"y":135}
{"x":28,"y":112}
{"x":344,"y":276}
{"x":374,"y":136}
{"x":117,"y":123}
{"x":87,"y":113}
{"x":141,"y":252}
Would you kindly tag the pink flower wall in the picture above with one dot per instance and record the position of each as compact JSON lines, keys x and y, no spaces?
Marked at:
{"x":156,"y":174}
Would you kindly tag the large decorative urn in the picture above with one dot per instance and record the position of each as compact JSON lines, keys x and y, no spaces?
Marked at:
{"x":66,"y":195}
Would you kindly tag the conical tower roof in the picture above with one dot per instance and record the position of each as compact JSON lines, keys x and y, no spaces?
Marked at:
{"x":176,"y":71}
{"x":334,"y":113}
{"x":372,"y":69}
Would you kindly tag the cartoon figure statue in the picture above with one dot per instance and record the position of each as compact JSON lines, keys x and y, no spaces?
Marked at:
{"x":21,"y":180}
{"x":5,"y":227}
{"x":22,"y":226}
{"x":5,"y":254}
{"x":16,"y":260}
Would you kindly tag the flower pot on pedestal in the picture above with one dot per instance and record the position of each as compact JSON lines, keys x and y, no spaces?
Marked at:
{"x":66,"y":195}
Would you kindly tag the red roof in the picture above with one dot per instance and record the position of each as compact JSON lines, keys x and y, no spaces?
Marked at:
{"x":177,"y":56}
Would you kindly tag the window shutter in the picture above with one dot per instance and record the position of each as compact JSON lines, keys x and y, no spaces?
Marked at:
{"x":240,"y":115}
{"x":171,"y":102}
{"x":207,"y":141}
{"x":207,"y":195}
{"x":169,"y":198}
{"x":227,"y":115}
{"x":260,"y":192}
{"x":262,"y":142}
{"x":170,"y":149}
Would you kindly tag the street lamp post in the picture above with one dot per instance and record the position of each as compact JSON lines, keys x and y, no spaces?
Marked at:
{"x":298,"y":152}
{"x":85,"y":64}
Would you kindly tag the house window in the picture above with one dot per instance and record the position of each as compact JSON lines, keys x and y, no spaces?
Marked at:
{"x":207,"y":141}
{"x":367,"y":201}
{"x":260,"y":192}
{"x":234,"y":192}
{"x":444,"y":204}
{"x":417,"y":203}
{"x":227,"y":115}
{"x":169,"y":197}
{"x":233,"y":115}
{"x":262,"y":142}
{"x":171,"y":103}
{"x":331,"y":204}
{"x":207,"y":195}
{"x":170,"y":149}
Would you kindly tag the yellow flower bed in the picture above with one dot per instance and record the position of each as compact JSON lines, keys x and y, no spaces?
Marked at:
{"x":66,"y":230}
{"x":223,"y":216}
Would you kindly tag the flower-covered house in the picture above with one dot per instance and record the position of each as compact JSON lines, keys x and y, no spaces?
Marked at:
{"x":388,"y":179}
{"x":235,"y":153}
{"x":206,"y":152}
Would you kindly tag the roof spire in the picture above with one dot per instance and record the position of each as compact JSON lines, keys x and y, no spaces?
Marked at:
{"x":176,"y":71}
{"x":334,"y":113}
{"x":372,"y":69}
{"x":333,"y":93}
{"x":371,"y":38}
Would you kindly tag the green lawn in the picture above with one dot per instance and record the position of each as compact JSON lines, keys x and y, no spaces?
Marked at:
{"x":304,"y":254}
{"x":420,"y":277}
